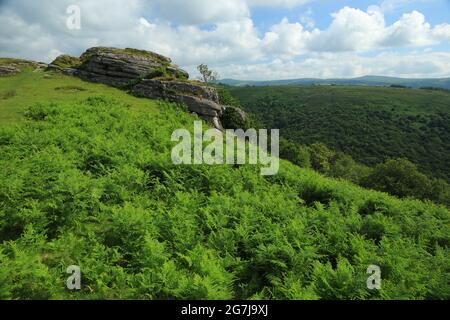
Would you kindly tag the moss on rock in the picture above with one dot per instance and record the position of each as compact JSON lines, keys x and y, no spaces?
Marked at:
{"x":66,"y":62}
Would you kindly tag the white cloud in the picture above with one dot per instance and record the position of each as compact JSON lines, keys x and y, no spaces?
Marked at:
{"x":307,"y":20}
{"x":229,"y":41}
{"x":196,"y":12}
{"x":354,"y":30}
{"x":410,"y":30}
{"x":287,"y":39}
{"x":351,"y":30}
{"x":278,"y":3}
{"x":345,"y":65}
{"x":199,"y":11}
{"x":442,"y":32}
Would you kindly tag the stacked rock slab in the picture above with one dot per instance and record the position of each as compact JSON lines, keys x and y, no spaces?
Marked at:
{"x":122,"y":67}
{"x":145,"y":74}
{"x":10,"y":67}
{"x":8,"y":70}
{"x":199,"y":99}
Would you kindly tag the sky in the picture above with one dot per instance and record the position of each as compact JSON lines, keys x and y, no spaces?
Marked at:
{"x":244,"y":39}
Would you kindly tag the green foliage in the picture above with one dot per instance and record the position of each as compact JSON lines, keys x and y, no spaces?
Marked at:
{"x":295,"y":153}
{"x":226,"y":98}
{"x":89,"y":182}
{"x":208,"y":76}
{"x":401,"y":177}
{"x":233,"y":119}
{"x":321,"y":157}
{"x":345,"y":167}
{"x":371,"y":124}
{"x":160,"y":72}
{"x":341,"y":282}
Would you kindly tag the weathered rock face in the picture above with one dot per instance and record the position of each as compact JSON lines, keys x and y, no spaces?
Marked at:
{"x":199,"y":99}
{"x":10,"y":67}
{"x":8,"y":70}
{"x":162,"y":89}
{"x":123,"y":67}
{"x":145,"y":74}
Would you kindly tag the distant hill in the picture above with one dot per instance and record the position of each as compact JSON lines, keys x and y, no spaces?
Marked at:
{"x":443,"y":83}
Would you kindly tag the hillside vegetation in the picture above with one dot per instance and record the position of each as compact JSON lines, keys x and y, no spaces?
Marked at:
{"x":439,"y":84}
{"x":86,"y":179}
{"x":371,"y":124}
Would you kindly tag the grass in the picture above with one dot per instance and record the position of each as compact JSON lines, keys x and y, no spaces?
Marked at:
{"x":31,"y":87}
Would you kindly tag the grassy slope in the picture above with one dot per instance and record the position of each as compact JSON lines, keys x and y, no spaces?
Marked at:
{"x":369,"y":123}
{"x":89,"y":181}
{"x":20,"y":92}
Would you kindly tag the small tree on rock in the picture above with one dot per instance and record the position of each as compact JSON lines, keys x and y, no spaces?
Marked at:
{"x":208,"y":75}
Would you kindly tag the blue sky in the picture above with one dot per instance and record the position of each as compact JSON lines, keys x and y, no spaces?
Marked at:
{"x":245,"y":39}
{"x":436,"y":11}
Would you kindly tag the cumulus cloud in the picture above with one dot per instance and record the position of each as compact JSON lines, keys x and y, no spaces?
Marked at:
{"x":199,"y":11}
{"x":196,"y":12}
{"x":345,"y":65}
{"x":355,"y":30}
{"x":442,"y":32}
{"x":351,"y":30}
{"x":287,"y":39}
{"x":219,"y":34}
{"x":278,"y":3}
{"x":410,"y":30}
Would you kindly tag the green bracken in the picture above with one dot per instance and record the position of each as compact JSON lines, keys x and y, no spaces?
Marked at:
{"x":86,"y":179}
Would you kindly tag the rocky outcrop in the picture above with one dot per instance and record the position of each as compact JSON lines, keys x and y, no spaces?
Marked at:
{"x":183,"y":92}
{"x":8,"y":70}
{"x":199,"y":99}
{"x":123,"y":67}
{"x":145,"y":74}
{"x":10,"y":67}
{"x":65,"y":62}
{"x":162,"y":89}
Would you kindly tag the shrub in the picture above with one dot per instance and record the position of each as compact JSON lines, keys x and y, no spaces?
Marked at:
{"x":233,"y":118}
{"x":295,"y":153}
{"x":398,"y":177}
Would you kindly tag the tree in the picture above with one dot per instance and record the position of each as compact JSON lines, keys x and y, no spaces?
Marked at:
{"x":440,"y":191}
{"x":321,"y":157}
{"x":295,"y":153}
{"x":208,"y":75}
{"x":345,"y":167}
{"x":398,"y":177}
